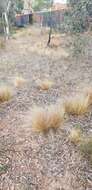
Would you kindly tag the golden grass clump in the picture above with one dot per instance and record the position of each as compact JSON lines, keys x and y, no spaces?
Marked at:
{"x":19,"y":82}
{"x":39,"y":119}
{"x":55,"y":43}
{"x":5,"y":94}
{"x":44,"y":84}
{"x":77,"y":105}
{"x":75,"y":135}
{"x":56,"y":116}
{"x":45,"y":118}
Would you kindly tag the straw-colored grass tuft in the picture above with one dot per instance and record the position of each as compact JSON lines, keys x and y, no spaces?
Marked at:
{"x":55,"y":42}
{"x":5,"y":93}
{"x":77,"y":105}
{"x":39,"y":119}
{"x":19,"y":82}
{"x":75,"y":135}
{"x":44,"y":84}
{"x":56,"y":116}
{"x":45,"y":118}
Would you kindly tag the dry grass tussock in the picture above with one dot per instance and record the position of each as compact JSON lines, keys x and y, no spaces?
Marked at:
{"x":40,"y":49}
{"x":19,"y":82}
{"x":77,"y":105}
{"x":75,"y":135}
{"x":55,"y":42}
{"x":5,"y":93}
{"x":44,"y":84}
{"x":45,"y":118}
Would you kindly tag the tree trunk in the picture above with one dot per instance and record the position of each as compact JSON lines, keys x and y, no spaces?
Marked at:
{"x":50,"y":33}
{"x":6,"y":25}
{"x":6,"y":21}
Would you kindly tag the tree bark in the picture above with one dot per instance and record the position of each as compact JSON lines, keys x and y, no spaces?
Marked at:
{"x":6,"y":21}
{"x":6,"y":25}
{"x":50,"y":33}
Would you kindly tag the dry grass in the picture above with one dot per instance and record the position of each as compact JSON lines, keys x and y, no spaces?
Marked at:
{"x":77,"y":105}
{"x":5,"y":93}
{"x":19,"y":82}
{"x":44,"y":84}
{"x":39,"y":119}
{"x":56,"y":116}
{"x":45,"y":118}
{"x":55,"y":42}
{"x":75,"y":135}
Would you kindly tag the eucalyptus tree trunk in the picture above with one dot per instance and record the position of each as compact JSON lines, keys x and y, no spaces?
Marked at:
{"x":6,"y":25}
{"x":5,"y":12}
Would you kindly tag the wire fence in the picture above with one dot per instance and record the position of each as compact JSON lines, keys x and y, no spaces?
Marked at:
{"x":49,"y":18}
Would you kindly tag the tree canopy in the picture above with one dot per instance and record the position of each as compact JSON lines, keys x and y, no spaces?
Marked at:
{"x":15,"y":4}
{"x":41,"y":4}
{"x":79,"y":14}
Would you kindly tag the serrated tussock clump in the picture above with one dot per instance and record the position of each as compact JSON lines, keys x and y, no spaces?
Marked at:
{"x":45,"y":118}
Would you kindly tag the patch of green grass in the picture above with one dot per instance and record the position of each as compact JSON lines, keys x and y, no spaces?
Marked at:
{"x":3,"y":168}
{"x":86,"y":146}
{"x":2,"y":44}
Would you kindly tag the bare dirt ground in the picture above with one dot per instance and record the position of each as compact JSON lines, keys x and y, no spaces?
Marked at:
{"x":30,"y":161}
